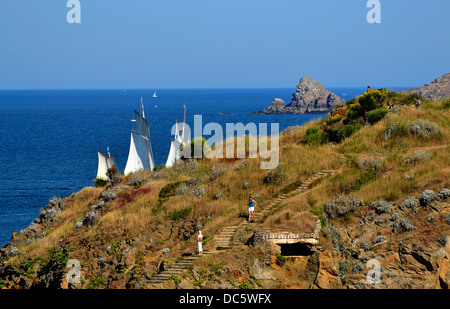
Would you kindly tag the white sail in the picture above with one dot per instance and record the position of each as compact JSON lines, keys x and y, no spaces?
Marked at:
{"x":174,"y":153}
{"x":105,"y":162}
{"x":140,"y":156}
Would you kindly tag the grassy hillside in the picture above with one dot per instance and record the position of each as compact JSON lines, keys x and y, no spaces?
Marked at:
{"x":124,"y":233}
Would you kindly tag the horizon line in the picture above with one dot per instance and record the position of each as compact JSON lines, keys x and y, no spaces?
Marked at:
{"x":187,"y":88}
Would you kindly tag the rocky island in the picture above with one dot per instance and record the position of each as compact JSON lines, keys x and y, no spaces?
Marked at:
{"x":310,"y":97}
{"x":438,"y":89}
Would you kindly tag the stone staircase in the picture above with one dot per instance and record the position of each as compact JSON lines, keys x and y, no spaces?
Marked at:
{"x":222,"y":240}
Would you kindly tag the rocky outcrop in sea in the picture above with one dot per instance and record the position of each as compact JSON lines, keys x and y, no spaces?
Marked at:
{"x":438,"y":89}
{"x":310,"y":98}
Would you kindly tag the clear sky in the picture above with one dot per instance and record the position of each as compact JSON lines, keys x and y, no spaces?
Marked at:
{"x":154,"y":44}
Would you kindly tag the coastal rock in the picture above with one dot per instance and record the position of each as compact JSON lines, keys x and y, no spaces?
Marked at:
{"x":438,"y":89}
{"x":310,"y":98}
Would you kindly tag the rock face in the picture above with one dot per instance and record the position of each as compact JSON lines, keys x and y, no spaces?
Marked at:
{"x":310,"y":98}
{"x":436,"y":90}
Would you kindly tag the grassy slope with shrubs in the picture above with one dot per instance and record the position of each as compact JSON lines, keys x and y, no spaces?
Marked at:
{"x":391,"y":151}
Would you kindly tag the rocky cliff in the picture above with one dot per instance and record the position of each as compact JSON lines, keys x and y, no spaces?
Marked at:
{"x":310,"y":97}
{"x":438,"y":89}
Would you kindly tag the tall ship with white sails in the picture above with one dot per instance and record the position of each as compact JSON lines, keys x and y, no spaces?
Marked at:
{"x":179,"y":140}
{"x":140,"y":156}
{"x":105,"y":162}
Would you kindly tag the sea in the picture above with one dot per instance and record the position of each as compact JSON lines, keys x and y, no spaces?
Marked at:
{"x":49,"y":138}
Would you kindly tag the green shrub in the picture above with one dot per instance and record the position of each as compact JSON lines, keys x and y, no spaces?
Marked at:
{"x":170,"y":189}
{"x":245,"y":286}
{"x":371,"y":100}
{"x":410,"y":202}
{"x":315,"y":137}
{"x":406,"y":226}
{"x":365,"y":245}
{"x":396,"y":130}
{"x":444,"y":194}
{"x":427,"y":197}
{"x":99,"y":182}
{"x":381,"y":207}
{"x":347,"y":130}
{"x":281,"y":260}
{"x":333,"y":119}
{"x":341,"y":206}
{"x":96,"y":282}
{"x":180,"y":214}
{"x":174,"y":278}
{"x":376,"y":115}
{"x":276,"y":175}
{"x":355,"y":111}
{"x":424,"y":129}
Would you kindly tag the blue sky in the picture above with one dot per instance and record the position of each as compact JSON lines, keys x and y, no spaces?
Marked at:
{"x":154,"y":44}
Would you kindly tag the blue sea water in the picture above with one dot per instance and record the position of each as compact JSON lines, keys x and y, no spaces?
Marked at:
{"x":49,"y":138}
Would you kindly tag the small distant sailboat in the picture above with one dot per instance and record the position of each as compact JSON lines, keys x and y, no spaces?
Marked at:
{"x":154,"y":94}
{"x":140,"y":156}
{"x":177,"y":142}
{"x":105,"y":162}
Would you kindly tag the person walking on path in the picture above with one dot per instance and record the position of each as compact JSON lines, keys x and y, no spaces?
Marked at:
{"x":251,"y":208}
{"x":200,"y":243}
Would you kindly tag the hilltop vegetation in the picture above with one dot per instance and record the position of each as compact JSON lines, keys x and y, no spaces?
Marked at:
{"x":390,"y":202}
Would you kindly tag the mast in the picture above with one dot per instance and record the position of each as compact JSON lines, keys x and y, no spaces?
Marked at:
{"x":142,"y":106}
{"x":184,"y":120}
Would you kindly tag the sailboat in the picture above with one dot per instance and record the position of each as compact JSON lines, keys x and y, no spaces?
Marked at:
{"x":140,"y":156}
{"x":105,"y":162}
{"x":154,"y":95}
{"x":177,"y":142}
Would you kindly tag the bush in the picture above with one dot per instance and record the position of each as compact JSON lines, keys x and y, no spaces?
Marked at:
{"x":378,"y":239}
{"x":192,"y":145}
{"x":333,"y":119}
{"x":113,"y":174}
{"x":137,"y":181}
{"x":216,"y":172}
{"x":444,"y":194}
{"x":370,"y":165}
{"x":365,"y":245}
{"x":347,"y":130}
{"x":376,"y":115}
{"x":357,"y":268}
{"x":418,"y":157}
{"x":99,"y":182}
{"x":371,"y":100}
{"x":355,"y":111}
{"x":410,"y":202}
{"x":276,"y":175}
{"x":381,"y":207}
{"x":335,"y":237}
{"x":424,"y":129}
{"x":281,"y":260}
{"x":406,"y":226}
{"x":199,"y":191}
{"x":170,"y":189}
{"x":341,"y":207}
{"x":395,"y":130}
{"x":180,"y":214}
{"x":315,"y":137}
{"x":427,"y":197}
